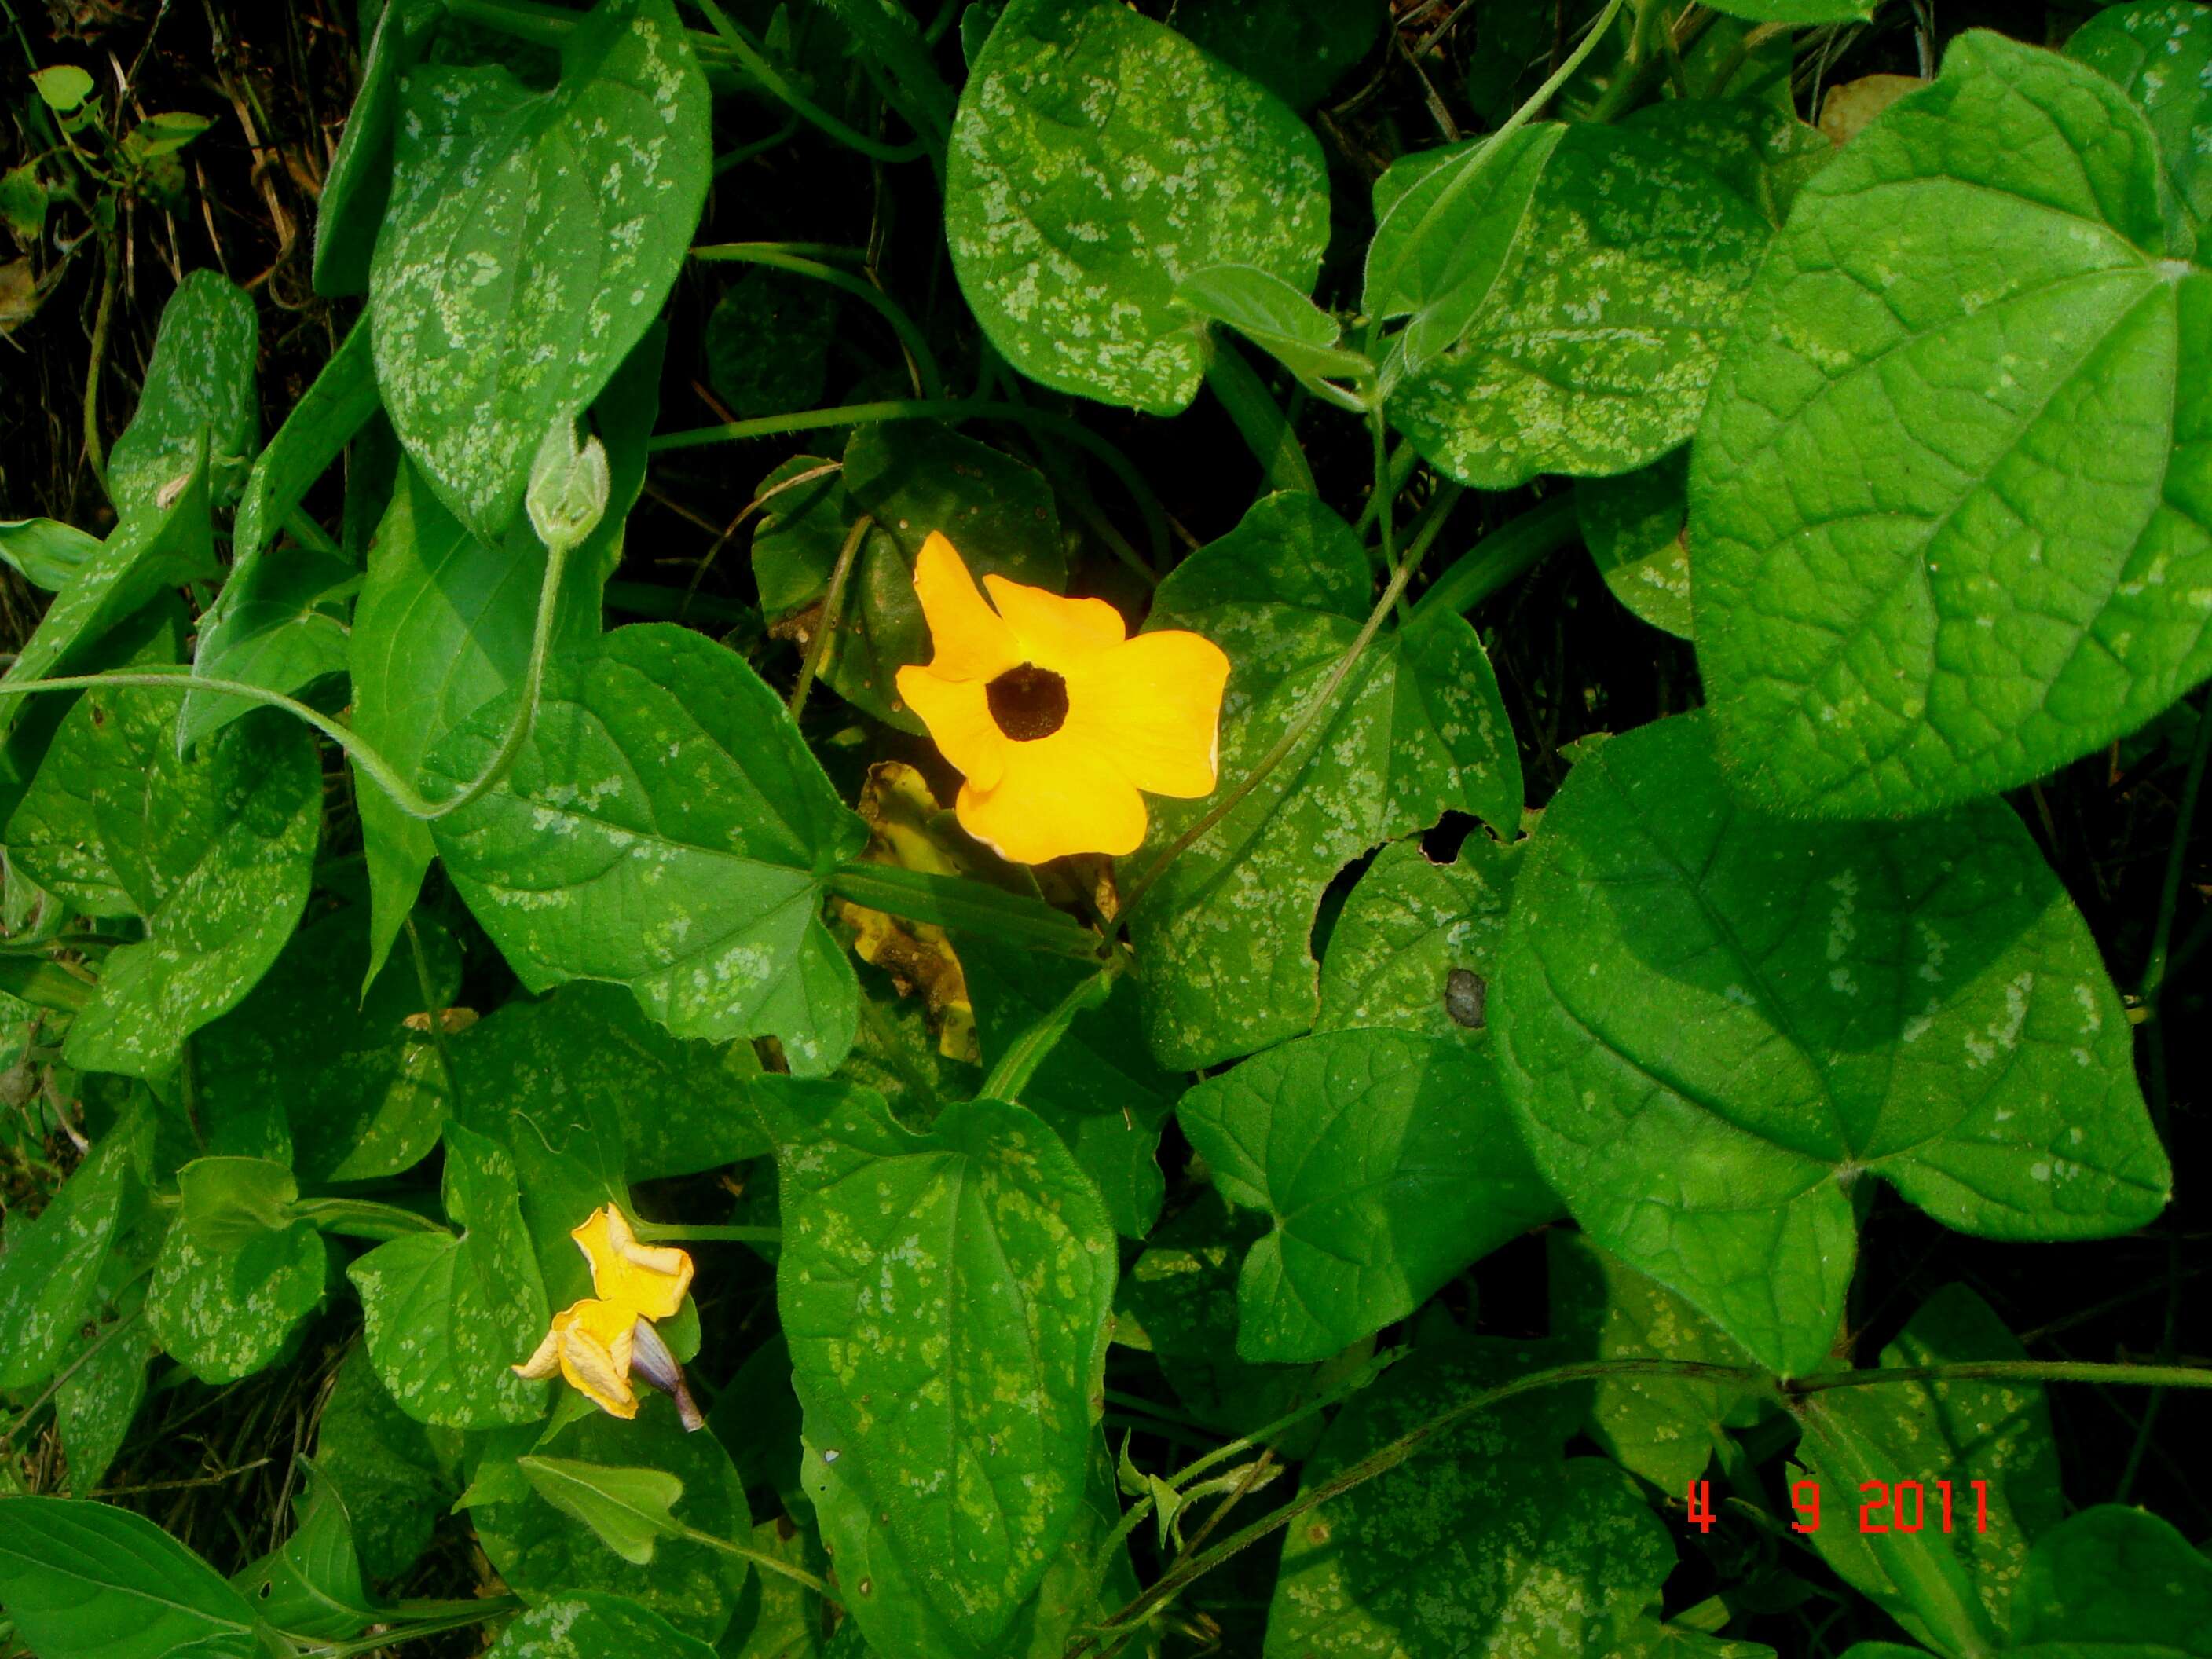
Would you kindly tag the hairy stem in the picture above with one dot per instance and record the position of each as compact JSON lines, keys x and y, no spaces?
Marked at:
{"x":833,"y":609}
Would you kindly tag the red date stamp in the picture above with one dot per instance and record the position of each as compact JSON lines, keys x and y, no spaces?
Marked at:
{"x":1885,"y":1505}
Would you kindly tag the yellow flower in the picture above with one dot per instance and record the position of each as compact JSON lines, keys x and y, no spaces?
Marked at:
{"x":592,"y":1342}
{"x":1054,"y":716}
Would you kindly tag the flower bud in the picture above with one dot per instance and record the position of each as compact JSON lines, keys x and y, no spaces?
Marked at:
{"x":651,"y":1362}
{"x":568,"y":487}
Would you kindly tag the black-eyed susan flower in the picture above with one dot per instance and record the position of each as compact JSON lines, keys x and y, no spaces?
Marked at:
{"x":1054,"y":716}
{"x":594,"y":1343}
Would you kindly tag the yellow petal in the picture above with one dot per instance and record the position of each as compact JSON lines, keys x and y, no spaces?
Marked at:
{"x":971,"y":641}
{"x":1053,"y":632}
{"x":646,"y":1278}
{"x":1061,"y":795}
{"x":958,"y":715}
{"x":596,"y":1339}
{"x":545,"y":1361}
{"x":1154,"y":706}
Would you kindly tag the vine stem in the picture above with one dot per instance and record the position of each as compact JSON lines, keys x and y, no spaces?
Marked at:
{"x":1323,"y":699}
{"x":359,"y":749}
{"x":928,"y":383}
{"x":1502,"y":555}
{"x":1387,"y":1457}
{"x":833,"y":609}
{"x":755,"y":62}
{"x":476,"y":1613}
{"x":103,"y":317}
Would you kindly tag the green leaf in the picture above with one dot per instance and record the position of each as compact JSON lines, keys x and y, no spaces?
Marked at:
{"x":163,"y":547}
{"x":1274,"y":316}
{"x":545,"y":1554}
{"x":447,"y":1317}
{"x":530,"y":238}
{"x":1095,"y":1087}
{"x":683,"y":1107}
{"x":1713,"y":1023}
{"x":162,"y":135}
{"x":784,"y":1620}
{"x":383,"y":1463}
{"x":2160,"y":51}
{"x":1415,"y":947}
{"x":45,"y":552}
{"x":628,"y":1509}
{"x":23,"y":202}
{"x":365,"y":1096}
{"x":1612,"y":261}
{"x":310,"y":1584}
{"x":945,"y":1296}
{"x":1388,"y":1161}
{"x":444,"y":626}
{"x":358,"y":186}
{"x":767,"y":342}
{"x":911,"y":477}
{"x":1485,"y":1543}
{"x":1665,"y":1429}
{"x":1298,"y":49}
{"x":62,"y":88}
{"x":1417,"y":731}
{"x":2114,"y":1580}
{"x":592,"y":1624}
{"x":52,"y":1262}
{"x":217,"y":855}
{"x":277,"y":623}
{"x":1074,"y":203}
{"x":87,"y":1581}
{"x":1949,"y":1585}
{"x":664,"y":828}
{"x":106,"y":1359}
{"x":237,"y":1275}
{"x":198,"y":395}
{"x":1179,"y":1298}
{"x":1636,"y":528}
{"x":1950,"y":498}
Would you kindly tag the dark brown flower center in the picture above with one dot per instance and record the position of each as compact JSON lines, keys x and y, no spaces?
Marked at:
{"x":1028,"y":703}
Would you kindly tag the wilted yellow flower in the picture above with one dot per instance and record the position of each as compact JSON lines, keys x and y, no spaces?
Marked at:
{"x":1054,"y":716}
{"x":593,"y":1342}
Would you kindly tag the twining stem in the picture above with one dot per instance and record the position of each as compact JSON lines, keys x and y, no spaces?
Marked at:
{"x":1018,"y":1064}
{"x":1322,"y":700}
{"x":833,"y":611}
{"x":940,"y":408}
{"x":110,"y":276}
{"x":473,"y":1612}
{"x":928,"y":383}
{"x":1387,"y":1457}
{"x":357,"y":749}
{"x":755,"y":62}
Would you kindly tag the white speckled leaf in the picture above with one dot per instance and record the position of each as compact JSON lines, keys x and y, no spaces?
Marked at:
{"x":1635,"y":527}
{"x":1486,"y":1544}
{"x":1589,"y":348}
{"x":1096,"y":158}
{"x":217,"y":853}
{"x":382,"y":1461}
{"x":82,"y":1580}
{"x":198,"y":393}
{"x":1418,"y":730}
{"x":530,"y":240}
{"x":664,"y":828}
{"x":448,"y":1316}
{"x":96,"y":1406}
{"x":2161,"y":52}
{"x":1713,"y":1023}
{"x":1388,"y":1161}
{"x":2114,"y":1580}
{"x":236,"y":1274}
{"x":1951,"y":1587}
{"x":594,"y":1625}
{"x":1663,"y":1428}
{"x":358,"y":186}
{"x":912,"y":477}
{"x":52,"y":1261}
{"x":1407,"y":928}
{"x":946,"y":1298}
{"x":363,"y":1094}
{"x":545,"y":1554}
{"x":1951,"y":502}
{"x":162,"y":547}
